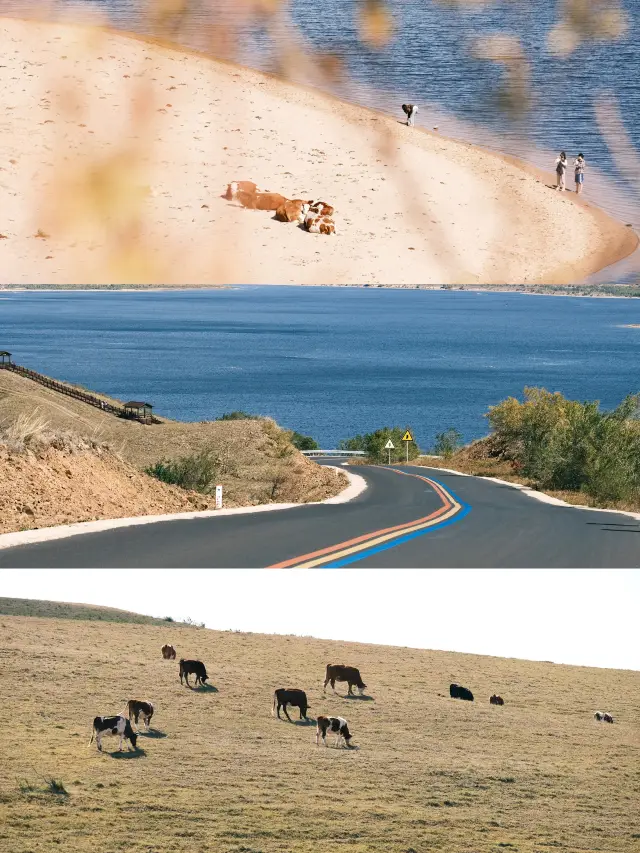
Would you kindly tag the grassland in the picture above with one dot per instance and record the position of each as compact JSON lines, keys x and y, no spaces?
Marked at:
{"x":218,"y":773}
{"x":66,"y":610}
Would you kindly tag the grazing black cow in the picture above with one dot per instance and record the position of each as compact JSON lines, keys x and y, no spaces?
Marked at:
{"x":339,"y":672}
{"x":603,"y":717}
{"x":137,"y":708}
{"x":338,"y":725}
{"x":496,"y":700}
{"x":283,"y":697}
{"x":458,"y":692}
{"x":193,"y":667}
{"x":113,"y":726}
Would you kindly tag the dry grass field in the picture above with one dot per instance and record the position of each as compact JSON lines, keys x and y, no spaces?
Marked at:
{"x":218,"y":773}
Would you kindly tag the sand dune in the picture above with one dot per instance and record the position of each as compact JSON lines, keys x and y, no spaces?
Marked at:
{"x":115,"y":152}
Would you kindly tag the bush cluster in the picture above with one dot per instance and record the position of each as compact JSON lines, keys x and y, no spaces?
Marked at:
{"x":373,"y":444}
{"x":197,"y":472}
{"x":567,"y":445}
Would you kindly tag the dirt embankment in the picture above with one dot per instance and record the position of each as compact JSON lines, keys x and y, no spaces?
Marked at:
{"x":62,"y":461}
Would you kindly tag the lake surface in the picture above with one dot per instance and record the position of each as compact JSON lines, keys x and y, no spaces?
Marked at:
{"x":329,"y":362}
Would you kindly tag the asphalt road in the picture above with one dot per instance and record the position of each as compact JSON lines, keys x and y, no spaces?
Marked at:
{"x":409,"y":517}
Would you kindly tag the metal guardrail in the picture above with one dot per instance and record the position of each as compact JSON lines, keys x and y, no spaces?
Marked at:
{"x":334,"y":453}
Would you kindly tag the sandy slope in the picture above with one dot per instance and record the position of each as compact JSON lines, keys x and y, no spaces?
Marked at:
{"x":119,"y":149}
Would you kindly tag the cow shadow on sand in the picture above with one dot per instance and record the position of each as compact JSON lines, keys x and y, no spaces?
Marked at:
{"x":154,"y":734}
{"x":363,"y":697}
{"x":137,"y":753}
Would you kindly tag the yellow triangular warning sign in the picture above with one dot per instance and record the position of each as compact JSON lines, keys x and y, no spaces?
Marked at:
{"x":407,"y":436}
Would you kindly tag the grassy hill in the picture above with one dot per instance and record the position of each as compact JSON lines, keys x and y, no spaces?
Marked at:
{"x":218,"y":773}
{"x":66,"y":610}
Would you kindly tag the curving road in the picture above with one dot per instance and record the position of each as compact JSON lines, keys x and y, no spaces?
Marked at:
{"x":409,"y":517}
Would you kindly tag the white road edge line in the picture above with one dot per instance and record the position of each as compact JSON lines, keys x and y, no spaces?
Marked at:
{"x":539,"y":496}
{"x":357,"y":485}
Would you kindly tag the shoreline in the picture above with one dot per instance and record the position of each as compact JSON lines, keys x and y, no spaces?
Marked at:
{"x":444,"y":254}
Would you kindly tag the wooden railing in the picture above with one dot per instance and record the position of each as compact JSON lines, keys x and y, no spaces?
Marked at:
{"x":75,"y":393}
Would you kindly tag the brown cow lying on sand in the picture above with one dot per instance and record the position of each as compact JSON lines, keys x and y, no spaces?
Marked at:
{"x":239,"y":186}
{"x":496,"y":700}
{"x":294,"y":210}
{"x":261,"y":201}
{"x":168,"y":652}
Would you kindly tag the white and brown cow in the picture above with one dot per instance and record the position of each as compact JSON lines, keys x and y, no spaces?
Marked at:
{"x":293,"y":210}
{"x":116,"y":726}
{"x":321,"y":208}
{"x":317,"y":224}
{"x":137,"y":708}
{"x":239,"y":186}
{"x":168,"y":652}
{"x":337,"y":725}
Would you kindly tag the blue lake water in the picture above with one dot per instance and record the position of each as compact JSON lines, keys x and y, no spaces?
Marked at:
{"x":330,"y":362}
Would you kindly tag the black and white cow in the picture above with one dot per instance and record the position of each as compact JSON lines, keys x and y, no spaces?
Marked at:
{"x":337,"y":725}
{"x":137,"y":708}
{"x":193,"y":667}
{"x":603,"y":717}
{"x":119,"y":725}
{"x":283,"y":697}
{"x":339,"y":672}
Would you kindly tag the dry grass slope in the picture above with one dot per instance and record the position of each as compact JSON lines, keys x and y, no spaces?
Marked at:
{"x":218,"y":773}
{"x":66,"y":610}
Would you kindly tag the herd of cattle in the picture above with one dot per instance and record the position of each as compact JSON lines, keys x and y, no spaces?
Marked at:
{"x":121,"y":724}
{"x":315,"y":216}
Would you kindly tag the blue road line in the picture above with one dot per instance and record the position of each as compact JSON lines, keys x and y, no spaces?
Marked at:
{"x":354,"y":558}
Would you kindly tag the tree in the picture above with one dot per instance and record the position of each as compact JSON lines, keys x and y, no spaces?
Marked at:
{"x":303,"y":442}
{"x":447,"y":443}
{"x":373,"y":444}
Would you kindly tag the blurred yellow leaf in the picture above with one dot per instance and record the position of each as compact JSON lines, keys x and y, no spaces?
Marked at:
{"x":375,"y":23}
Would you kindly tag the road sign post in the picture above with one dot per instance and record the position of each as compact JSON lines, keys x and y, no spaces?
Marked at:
{"x":218,"y":497}
{"x":389,"y":446}
{"x":407,"y":437}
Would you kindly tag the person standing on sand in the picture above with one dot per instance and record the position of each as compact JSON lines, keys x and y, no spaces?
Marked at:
{"x":410,"y":110}
{"x":561,"y":170}
{"x":579,"y":165}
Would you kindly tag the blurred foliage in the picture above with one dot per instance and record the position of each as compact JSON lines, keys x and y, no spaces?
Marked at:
{"x":303,"y":442}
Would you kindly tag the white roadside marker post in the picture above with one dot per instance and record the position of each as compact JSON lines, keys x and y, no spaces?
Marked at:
{"x":218,"y":497}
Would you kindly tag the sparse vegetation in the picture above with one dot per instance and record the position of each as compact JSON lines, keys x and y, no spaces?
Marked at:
{"x":222,"y":776}
{"x":238,"y":416}
{"x":84,"y":612}
{"x":196,"y":472}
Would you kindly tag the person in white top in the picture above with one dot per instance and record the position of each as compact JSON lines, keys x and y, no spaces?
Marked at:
{"x":561,"y":170}
{"x":410,"y":110}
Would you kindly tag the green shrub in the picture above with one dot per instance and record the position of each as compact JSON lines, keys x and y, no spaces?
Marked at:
{"x":197,"y":472}
{"x":567,"y":445}
{"x":303,"y":442}
{"x":373,"y":445}
{"x":447,"y":443}
{"x":238,"y":416}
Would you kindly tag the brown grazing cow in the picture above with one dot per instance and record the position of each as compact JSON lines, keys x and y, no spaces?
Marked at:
{"x":168,"y":652}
